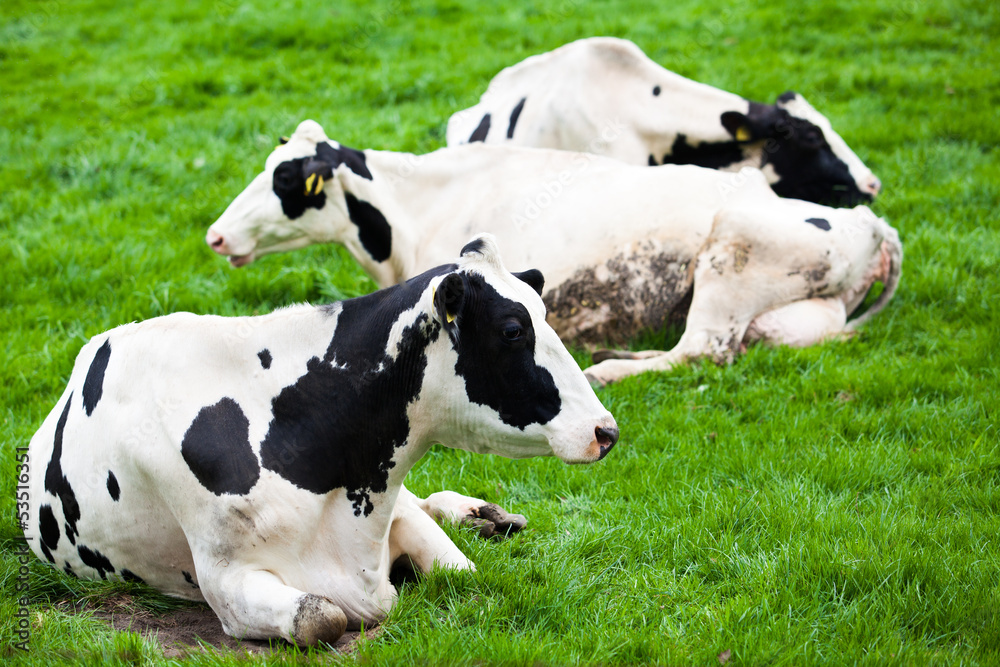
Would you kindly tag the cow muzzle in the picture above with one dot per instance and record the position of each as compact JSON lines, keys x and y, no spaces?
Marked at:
{"x":870,"y":186}
{"x":606,"y":438}
{"x":217,"y":242}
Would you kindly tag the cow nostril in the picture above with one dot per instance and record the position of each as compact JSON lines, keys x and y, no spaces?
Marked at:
{"x":874,"y":186}
{"x":606,"y":439}
{"x":215,"y":241}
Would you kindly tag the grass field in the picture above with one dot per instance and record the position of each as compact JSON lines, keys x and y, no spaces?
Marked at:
{"x":834,"y":505}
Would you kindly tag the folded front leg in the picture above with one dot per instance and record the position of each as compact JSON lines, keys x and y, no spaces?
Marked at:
{"x":492,"y":520}
{"x":256,"y":604}
{"x":415,"y":534}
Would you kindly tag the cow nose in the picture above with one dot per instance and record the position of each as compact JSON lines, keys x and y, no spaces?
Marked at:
{"x":215,"y":241}
{"x":606,"y":439}
{"x":873,"y":186}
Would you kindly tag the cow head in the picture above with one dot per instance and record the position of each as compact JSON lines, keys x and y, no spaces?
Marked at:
{"x":809,"y":159}
{"x":296,"y":201}
{"x":502,"y":382}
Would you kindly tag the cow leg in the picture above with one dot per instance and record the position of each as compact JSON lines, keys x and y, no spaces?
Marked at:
{"x":256,"y":604}
{"x":492,"y":520}
{"x":799,"y":324}
{"x":414,"y":534}
{"x":604,"y":355}
{"x":719,"y":316}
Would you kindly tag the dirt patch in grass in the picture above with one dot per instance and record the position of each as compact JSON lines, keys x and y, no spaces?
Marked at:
{"x":190,"y":628}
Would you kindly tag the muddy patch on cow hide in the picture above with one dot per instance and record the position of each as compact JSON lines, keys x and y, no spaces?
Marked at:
{"x":613,"y":301}
{"x":189,"y":629}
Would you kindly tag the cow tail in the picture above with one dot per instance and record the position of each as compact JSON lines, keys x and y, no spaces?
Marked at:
{"x":891,"y":281}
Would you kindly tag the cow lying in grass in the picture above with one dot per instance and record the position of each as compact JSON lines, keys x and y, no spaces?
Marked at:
{"x":604,"y":95}
{"x":258,"y":462}
{"x":621,"y":246}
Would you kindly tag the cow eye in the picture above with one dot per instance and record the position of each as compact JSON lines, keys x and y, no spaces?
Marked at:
{"x":513,"y":331}
{"x":283,"y":180}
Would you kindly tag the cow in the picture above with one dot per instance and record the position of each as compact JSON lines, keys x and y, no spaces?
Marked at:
{"x":622,"y":246}
{"x":257,"y":463}
{"x":604,"y":95}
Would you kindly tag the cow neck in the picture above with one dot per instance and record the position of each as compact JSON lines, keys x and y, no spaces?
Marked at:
{"x":384,"y":244}
{"x":344,"y":426}
{"x":689,"y":108}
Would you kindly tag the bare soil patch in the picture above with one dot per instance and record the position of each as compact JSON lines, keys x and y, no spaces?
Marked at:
{"x":188,"y":629}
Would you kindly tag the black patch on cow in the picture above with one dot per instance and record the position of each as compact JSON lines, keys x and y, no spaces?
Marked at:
{"x":265,"y":358}
{"x":534,"y":278}
{"x":656,"y":91}
{"x":93,"y":385}
{"x":822,"y":223}
{"x":289,"y":178}
{"x":68,"y":569}
{"x":131,"y":577}
{"x":473,"y":246}
{"x":113,"y":487}
{"x":56,"y":482}
{"x":48,"y":527}
{"x":47,"y":554}
{"x":351,"y":158}
{"x":189,"y":579}
{"x":289,"y":183}
{"x":96,"y":560}
{"x":496,"y":358}
{"x":787,"y":96}
{"x":373,"y":229}
{"x":514,"y":116}
{"x":216,"y":447}
{"x":711,"y":155}
{"x":339,"y":424}
{"x":653,"y":162}
{"x":479,"y":134}
{"x":798,"y":152}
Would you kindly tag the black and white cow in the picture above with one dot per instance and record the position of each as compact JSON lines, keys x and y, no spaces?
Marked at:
{"x":258,"y":462}
{"x":619,"y":244}
{"x":604,"y":95}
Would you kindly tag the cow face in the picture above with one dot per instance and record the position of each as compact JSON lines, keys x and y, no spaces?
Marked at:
{"x":295,"y":202}
{"x":809,"y":159}
{"x":507,"y":384}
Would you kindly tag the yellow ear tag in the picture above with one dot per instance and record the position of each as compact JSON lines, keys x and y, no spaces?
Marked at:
{"x":742,"y":134}
{"x":309,"y":182}
{"x":448,"y":316}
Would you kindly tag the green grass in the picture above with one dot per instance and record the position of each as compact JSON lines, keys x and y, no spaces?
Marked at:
{"x":833,"y":505}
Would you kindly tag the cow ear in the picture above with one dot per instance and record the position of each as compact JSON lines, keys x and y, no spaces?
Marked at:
{"x":316,"y":173}
{"x":449,"y":297}
{"x":534,"y":278}
{"x":738,"y":125}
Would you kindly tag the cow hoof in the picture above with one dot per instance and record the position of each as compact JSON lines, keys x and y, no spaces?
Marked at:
{"x":604,"y":355}
{"x":317,"y":620}
{"x":494,"y":522}
{"x":595,"y":380}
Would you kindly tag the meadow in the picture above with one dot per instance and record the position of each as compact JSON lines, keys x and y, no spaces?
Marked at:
{"x":833,"y":505}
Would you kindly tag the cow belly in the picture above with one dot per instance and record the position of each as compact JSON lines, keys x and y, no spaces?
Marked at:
{"x":616,"y":299}
{"x":93,"y":517}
